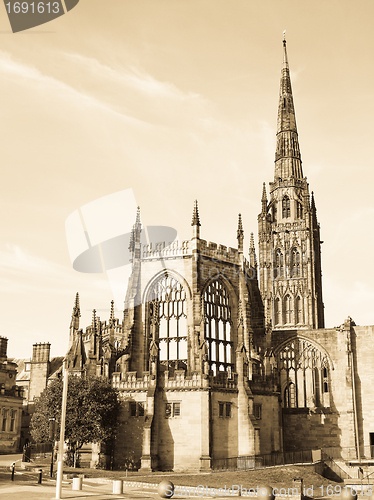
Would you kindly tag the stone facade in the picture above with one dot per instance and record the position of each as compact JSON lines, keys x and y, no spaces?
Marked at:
{"x":210,"y":362}
{"x":33,"y":376}
{"x":10,"y":403}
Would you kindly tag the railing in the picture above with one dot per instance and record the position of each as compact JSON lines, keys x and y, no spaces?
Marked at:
{"x":366,"y":453}
{"x":30,"y":451}
{"x":266,"y":460}
{"x":334,"y":466}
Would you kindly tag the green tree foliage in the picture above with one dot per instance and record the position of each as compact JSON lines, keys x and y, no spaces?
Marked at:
{"x":91,"y":412}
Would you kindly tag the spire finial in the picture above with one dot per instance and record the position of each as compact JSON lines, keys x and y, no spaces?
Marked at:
{"x":94,"y":323}
{"x":264,"y":199}
{"x":312,"y":202}
{"x":252,"y":252}
{"x":195,"y":221}
{"x":195,"y":215}
{"x":138,"y":221}
{"x":76,"y":308}
{"x":111,"y":318}
{"x":240,"y":233}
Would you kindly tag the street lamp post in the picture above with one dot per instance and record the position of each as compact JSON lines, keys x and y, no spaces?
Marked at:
{"x":52,"y":430}
{"x":62,"y":433}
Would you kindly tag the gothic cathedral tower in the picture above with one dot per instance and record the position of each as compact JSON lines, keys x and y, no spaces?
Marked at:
{"x":289,"y":234}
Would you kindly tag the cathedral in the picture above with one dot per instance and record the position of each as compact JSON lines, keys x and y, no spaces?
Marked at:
{"x":222,"y":355}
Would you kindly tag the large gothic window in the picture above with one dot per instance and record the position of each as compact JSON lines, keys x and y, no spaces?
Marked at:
{"x":279,"y":264}
{"x":295,"y":263}
{"x":304,"y":375}
{"x":218,"y":327}
{"x":169,"y":315}
{"x":286,"y":208}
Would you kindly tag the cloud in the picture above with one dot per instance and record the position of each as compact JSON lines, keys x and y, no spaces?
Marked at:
{"x":21,"y":272}
{"x":21,"y":71}
{"x":133,"y":77}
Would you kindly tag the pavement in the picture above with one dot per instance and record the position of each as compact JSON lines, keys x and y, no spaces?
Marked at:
{"x":25,"y":486}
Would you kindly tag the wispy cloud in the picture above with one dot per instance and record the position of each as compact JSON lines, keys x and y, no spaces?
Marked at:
{"x":133,"y":77}
{"x":21,"y":71}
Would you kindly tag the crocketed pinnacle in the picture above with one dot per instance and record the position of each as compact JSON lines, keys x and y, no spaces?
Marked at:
{"x":264,"y":199}
{"x":195,"y":215}
{"x":312,"y":203}
{"x":287,"y":155}
{"x":240,"y":234}
{"x":111,"y":318}
{"x":252,"y":252}
{"x":94,"y":322}
{"x":138,"y":222}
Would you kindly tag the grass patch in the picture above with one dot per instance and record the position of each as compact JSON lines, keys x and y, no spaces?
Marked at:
{"x":277,"y":477}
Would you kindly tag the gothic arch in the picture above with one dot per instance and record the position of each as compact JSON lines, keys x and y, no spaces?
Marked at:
{"x":160,"y":275}
{"x":304,"y":369}
{"x":166,"y":311}
{"x":220,"y":329}
{"x":286,"y":207}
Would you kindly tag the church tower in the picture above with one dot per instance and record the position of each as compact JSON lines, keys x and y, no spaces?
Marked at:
{"x":289,"y":233}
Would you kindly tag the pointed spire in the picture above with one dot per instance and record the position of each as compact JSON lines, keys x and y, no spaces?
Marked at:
{"x":138,"y":222}
{"x":264,"y":199}
{"x":196,"y":221}
{"x":111,"y":318}
{"x":76,"y":313}
{"x":240,"y":234}
{"x":312,"y":203}
{"x":195,"y":215}
{"x":134,"y":243}
{"x":252,"y":253}
{"x":287,"y":155}
{"x":94,"y":322}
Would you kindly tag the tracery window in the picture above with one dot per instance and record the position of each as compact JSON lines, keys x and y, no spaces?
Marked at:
{"x":277,"y":312}
{"x":218,"y":327}
{"x":295,"y":263}
{"x":168,"y":312}
{"x":299,"y":210}
{"x":299,"y":317}
{"x":290,"y":396}
{"x":279,"y":264}
{"x":286,"y":208}
{"x":303,"y":368}
{"x":288,"y":309}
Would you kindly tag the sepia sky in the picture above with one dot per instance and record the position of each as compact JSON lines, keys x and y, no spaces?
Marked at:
{"x":177,"y":99}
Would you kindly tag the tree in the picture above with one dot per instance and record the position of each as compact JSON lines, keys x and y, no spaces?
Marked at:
{"x":91,"y":413}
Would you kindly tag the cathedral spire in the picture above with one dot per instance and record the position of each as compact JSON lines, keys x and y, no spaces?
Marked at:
{"x":196,"y":221}
{"x":252,"y":253}
{"x":287,"y":155}
{"x":264,"y":199}
{"x":240,"y":234}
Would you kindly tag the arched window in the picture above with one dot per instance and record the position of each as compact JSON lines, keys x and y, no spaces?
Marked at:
{"x":288,"y":309}
{"x":279,"y":264}
{"x":274,"y":213}
{"x":299,"y":210}
{"x":290,"y":396}
{"x":168,"y":304}
{"x":218,"y":327}
{"x":295,"y":263}
{"x":303,"y":368}
{"x":277,"y":312}
{"x":299,"y":317}
{"x":286,"y":207}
